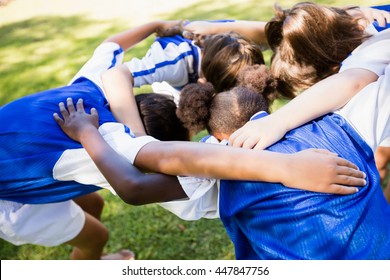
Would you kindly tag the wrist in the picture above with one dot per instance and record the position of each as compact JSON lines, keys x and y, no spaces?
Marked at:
{"x":85,"y":132}
{"x":278,"y":121}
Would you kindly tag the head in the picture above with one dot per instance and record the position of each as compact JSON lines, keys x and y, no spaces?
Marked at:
{"x":221,"y":113}
{"x":158,"y":114}
{"x":309,"y":42}
{"x":224,"y":56}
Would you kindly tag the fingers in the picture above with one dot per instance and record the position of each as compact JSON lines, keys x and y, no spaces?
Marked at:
{"x":69,"y":109}
{"x":69,"y":104}
{"x":94,"y":112}
{"x":63,"y":111}
{"x":58,"y":120}
{"x":79,"y":105}
{"x":341,"y":162}
{"x":323,"y":151}
{"x":344,"y":190}
{"x":249,"y":143}
{"x":383,"y":18}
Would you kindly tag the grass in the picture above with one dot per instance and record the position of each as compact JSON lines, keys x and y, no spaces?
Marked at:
{"x":42,"y":52}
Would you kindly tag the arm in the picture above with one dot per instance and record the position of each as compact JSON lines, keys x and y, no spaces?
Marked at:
{"x":324,"y":97}
{"x":129,"y":38}
{"x":132,"y":186}
{"x":251,"y":30}
{"x":118,"y":82}
{"x":120,"y":95}
{"x":369,"y":15}
{"x":314,"y":170}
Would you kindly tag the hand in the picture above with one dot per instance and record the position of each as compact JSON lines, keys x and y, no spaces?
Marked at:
{"x":257,"y":134}
{"x":76,"y":121}
{"x":370,"y":15}
{"x":170,"y":28}
{"x":322,"y":171}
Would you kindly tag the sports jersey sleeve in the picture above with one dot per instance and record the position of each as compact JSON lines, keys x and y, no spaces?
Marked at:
{"x":106,"y":56}
{"x":202,"y":201}
{"x":202,"y":193}
{"x":369,"y":111}
{"x":170,"y":59}
{"x":373,"y":54}
{"x":76,"y":165}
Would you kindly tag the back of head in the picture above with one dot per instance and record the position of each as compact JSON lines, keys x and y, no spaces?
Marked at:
{"x":158,"y":114}
{"x":311,"y":39}
{"x":224,"y":56}
{"x":202,"y":107}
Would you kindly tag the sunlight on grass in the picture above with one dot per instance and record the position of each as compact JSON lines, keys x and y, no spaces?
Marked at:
{"x":41,"y":51}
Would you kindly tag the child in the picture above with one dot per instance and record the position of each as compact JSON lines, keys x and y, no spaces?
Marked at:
{"x":213,"y":54}
{"x":43,"y":171}
{"x":316,"y":104}
{"x":271,"y":221}
{"x":178,"y":61}
{"x":300,"y":39}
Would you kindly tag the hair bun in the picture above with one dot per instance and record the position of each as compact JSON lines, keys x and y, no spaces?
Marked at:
{"x":259,"y":79}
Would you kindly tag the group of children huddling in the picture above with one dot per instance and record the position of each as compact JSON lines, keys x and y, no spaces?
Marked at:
{"x":299,"y":183}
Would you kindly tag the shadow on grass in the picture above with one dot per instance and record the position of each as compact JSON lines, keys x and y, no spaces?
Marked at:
{"x":45,"y":52}
{"x":250,"y":10}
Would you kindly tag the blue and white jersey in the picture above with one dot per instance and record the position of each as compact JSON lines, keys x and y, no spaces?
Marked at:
{"x":175,"y":60}
{"x":38,"y":162}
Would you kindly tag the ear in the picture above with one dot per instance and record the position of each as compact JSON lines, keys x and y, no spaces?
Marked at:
{"x":221,"y":136}
{"x":202,"y":80}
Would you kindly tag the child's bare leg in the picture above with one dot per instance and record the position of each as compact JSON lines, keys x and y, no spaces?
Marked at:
{"x":91,"y":203}
{"x":387,"y":192}
{"x":382,"y":159}
{"x":89,"y":243}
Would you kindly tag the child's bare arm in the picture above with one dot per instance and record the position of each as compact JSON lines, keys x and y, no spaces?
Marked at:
{"x":315,"y":170}
{"x":251,"y":30}
{"x":133,"y":186}
{"x":118,"y":81}
{"x":118,"y":87}
{"x":325,"y":96}
{"x":129,"y":38}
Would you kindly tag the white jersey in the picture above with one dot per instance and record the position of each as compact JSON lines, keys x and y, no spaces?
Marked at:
{"x":368,"y":111}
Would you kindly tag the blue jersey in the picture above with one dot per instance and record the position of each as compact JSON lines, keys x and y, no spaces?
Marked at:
{"x":271,"y":221}
{"x":33,"y":145}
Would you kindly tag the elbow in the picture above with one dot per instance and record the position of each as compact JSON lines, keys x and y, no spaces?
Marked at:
{"x":131,"y":192}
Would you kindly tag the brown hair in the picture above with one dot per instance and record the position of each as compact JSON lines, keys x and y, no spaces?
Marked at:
{"x":202,"y":107}
{"x":309,"y":43}
{"x":224,"y":56}
{"x":158,"y":114}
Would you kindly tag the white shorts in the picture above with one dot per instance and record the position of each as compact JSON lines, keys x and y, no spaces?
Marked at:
{"x":49,"y":224}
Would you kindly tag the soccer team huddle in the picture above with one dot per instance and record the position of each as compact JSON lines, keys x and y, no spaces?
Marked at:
{"x":301,"y":182}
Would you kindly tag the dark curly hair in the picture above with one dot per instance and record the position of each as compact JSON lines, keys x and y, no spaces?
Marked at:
{"x":158,"y":114}
{"x":202,"y":107}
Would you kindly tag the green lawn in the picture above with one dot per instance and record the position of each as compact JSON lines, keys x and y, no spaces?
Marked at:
{"x":43,"y":52}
